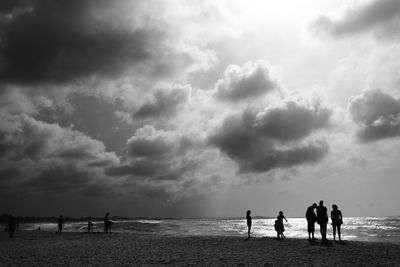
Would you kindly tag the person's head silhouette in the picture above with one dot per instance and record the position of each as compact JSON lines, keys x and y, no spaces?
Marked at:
{"x":248,"y":212}
{"x":314,"y":205}
{"x":334,"y":206}
{"x":321,"y":203}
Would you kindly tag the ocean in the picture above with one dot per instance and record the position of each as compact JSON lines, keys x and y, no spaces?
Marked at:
{"x":375,"y":229}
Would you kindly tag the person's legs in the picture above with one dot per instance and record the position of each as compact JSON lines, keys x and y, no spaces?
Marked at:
{"x":323,"y":230}
{"x":338,"y":230}
{"x":321,"y":226}
{"x":248,"y":231}
{"x":334,"y":232}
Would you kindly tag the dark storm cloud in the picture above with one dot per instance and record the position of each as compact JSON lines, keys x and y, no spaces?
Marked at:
{"x":91,"y":114}
{"x":272,"y":159}
{"x":59,"y":41}
{"x":141,"y":167}
{"x":165,"y":103}
{"x":59,"y":178}
{"x":380,"y":15}
{"x":10,"y":7}
{"x":9,"y":171}
{"x":248,"y":81}
{"x":271,"y":139}
{"x":377,"y":114}
{"x":292,"y":121}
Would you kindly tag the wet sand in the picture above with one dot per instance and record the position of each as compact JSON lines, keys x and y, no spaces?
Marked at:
{"x":40,"y":248}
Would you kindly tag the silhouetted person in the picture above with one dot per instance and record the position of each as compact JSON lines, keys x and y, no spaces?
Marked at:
{"x":322,"y":218}
{"x":279,"y":228}
{"x":248,"y":218}
{"x":107,"y":223}
{"x":337,"y":220}
{"x":60,"y":223}
{"x":11,"y":226}
{"x":90,"y":224}
{"x":311,"y":220}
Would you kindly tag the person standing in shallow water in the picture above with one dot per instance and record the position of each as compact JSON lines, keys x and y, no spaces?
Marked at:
{"x":322,"y":218}
{"x":311,"y":220}
{"x":60,"y":223}
{"x":107,"y":227}
{"x":279,"y":227}
{"x":248,"y":218}
{"x":90,"y":224}
{"x":337,"y":221}
{"x":11,"y":226}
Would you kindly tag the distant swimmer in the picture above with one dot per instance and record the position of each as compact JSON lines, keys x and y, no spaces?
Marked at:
{"x":248,"y":218}
{"x":337,"y":221}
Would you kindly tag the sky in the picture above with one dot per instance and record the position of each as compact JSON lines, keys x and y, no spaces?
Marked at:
{"x":198,"y":108}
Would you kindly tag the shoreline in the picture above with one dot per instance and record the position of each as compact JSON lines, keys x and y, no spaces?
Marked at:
{"x":74,"y":248}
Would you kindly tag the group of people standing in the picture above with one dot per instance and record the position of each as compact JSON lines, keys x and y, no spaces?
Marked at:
{"x":321,"y":217}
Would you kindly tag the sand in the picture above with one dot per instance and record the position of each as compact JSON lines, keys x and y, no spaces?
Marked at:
{"x":40,"y":248}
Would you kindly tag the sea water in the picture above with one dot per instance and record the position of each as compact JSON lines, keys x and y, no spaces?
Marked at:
{"x":375,"y":229}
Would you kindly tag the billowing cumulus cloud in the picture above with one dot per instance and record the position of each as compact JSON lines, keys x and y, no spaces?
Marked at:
{"x":262,"y":141}
{"x":377,"y":114}
{"x":164,"y":103}
{"x":148,"y":142}
{"x":381,"y":17}
{"x":164,"y":164}
{"x":154,"y":154}
{"x":54,"y":158}
{"x":251,"y":80}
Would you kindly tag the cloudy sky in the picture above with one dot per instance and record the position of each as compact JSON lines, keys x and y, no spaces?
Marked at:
{"x":199,"y":108}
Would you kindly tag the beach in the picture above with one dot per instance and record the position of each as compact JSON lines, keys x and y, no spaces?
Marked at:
{"x":44,"y":248}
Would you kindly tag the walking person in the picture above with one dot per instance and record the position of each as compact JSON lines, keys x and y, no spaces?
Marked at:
{"x":248,"y":219}
{"x":337,"y":221}
{"x":322,"y":219}
{"x":311,"y":220}
{"x":279,"y":227}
